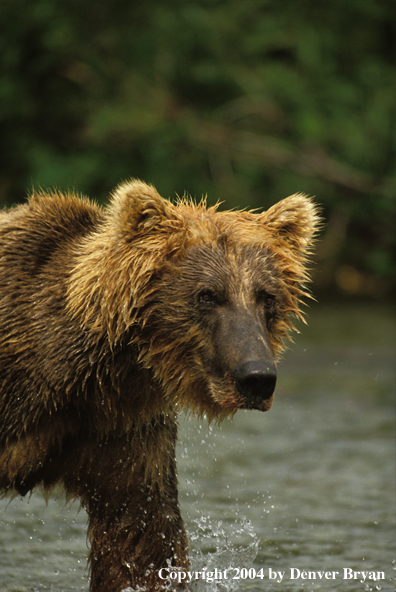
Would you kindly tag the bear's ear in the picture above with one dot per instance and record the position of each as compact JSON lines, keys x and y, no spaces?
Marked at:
{"x":294,"y":220}
{"x":137,"y":207}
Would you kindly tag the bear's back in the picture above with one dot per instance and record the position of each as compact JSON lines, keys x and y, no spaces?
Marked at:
{"x":32,"y":233}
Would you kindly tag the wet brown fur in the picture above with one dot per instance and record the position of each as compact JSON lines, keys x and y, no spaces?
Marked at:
{"x":103,"y":341}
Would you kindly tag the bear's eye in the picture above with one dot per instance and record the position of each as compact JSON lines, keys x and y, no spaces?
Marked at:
{"x":269,"y":300}
{"x":207,"y":297}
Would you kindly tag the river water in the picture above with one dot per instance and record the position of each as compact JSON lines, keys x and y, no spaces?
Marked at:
{"x":297,"y":499}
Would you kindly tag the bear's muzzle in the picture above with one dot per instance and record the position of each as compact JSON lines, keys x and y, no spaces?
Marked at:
{"x":255,"y":381}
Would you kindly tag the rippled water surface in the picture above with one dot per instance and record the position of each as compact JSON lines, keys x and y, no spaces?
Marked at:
{"x":304,"y":489}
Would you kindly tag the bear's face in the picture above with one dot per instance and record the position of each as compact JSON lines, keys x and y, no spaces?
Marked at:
{"x":220,"y":305}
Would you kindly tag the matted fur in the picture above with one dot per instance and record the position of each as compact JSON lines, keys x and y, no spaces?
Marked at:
{"x":105,"y":335}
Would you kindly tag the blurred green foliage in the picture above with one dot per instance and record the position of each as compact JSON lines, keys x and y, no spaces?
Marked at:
{"x":247,"y":101}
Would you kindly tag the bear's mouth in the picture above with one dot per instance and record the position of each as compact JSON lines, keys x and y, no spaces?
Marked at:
{"x":236,"y":401}
{"x":263,"y":405}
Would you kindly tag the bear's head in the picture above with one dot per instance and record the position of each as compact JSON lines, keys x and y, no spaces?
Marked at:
{"x":206,"y":296}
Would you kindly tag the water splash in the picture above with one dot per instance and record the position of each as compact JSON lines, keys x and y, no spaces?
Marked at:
{"x":216,"y":554}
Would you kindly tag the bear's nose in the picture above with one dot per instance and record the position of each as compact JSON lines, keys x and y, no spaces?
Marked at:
{"x":256,"y":382}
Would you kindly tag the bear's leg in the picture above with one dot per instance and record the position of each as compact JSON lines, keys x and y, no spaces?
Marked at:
{"x":130,"y":547}
{"x":128,"y":486}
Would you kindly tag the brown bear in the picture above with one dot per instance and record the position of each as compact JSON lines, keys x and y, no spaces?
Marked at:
{"x":111,"y":322}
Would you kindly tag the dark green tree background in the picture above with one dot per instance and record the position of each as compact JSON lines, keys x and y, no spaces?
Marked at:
{"x":247,"y":101}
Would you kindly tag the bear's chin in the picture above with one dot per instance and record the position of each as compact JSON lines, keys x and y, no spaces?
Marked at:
{"x":263,"y":405}
{"x":252,"y":405}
